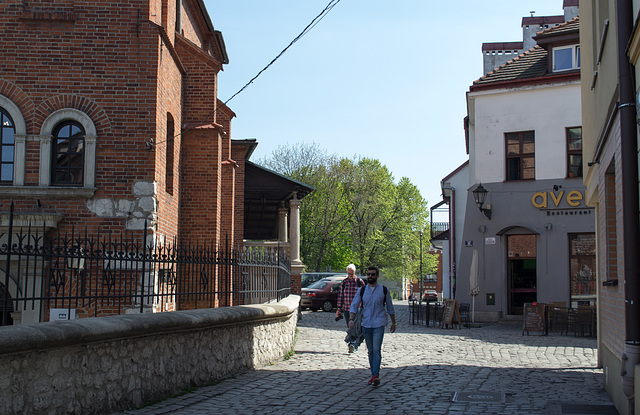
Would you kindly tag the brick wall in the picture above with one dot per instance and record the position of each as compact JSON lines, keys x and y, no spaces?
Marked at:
{"x":522,"y":246}
{"x":611,"y":247}
{"x":111,"y":62}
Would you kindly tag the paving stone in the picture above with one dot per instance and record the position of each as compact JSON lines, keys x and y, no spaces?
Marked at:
{"x":422,"y":368}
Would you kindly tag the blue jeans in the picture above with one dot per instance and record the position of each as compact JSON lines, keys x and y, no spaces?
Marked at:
{"x":373,"y":338}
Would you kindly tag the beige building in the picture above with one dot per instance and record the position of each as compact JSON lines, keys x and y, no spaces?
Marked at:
{"x":610,"y":51}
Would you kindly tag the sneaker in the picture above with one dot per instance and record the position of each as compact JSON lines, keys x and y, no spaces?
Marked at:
{"x":371,"y":380}
{"x":375,"y":381}
{"x":351,"y":348}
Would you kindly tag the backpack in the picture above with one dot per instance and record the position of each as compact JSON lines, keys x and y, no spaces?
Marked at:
{"x":384,"y":291}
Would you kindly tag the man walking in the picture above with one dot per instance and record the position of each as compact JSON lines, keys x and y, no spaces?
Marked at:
{"x":376,"y":303}
{"x":347,"y":290}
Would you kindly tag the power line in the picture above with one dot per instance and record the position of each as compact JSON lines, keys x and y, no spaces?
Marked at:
{"x":307,"y":29}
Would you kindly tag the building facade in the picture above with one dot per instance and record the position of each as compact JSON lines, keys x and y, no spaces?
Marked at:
{"x":611,"y":47}
{"x":530,"y":236}
{"x":111,"y":120}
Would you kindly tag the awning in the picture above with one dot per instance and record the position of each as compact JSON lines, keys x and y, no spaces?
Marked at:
{"x":264,"y":190}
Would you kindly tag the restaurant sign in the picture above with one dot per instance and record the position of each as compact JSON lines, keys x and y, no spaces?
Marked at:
{"x":544,"y":200}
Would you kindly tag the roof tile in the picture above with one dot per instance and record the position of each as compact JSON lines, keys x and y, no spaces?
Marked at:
{"x":531,"y":64}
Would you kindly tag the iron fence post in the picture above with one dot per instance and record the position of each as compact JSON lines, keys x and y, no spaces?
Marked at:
{"x":5,"y":304}
{"x":144,"y":262}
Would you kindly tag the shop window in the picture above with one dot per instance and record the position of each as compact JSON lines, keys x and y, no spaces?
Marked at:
{"x":582,"y":265}
{"x":520,"y":155}
{"x":574,"y":152}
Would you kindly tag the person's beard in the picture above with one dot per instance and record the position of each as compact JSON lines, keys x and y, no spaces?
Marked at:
{"x":372,"y":280}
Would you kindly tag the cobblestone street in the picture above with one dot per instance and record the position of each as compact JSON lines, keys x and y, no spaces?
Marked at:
{"x":492,"y":369}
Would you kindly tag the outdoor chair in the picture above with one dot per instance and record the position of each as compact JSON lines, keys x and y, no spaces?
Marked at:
{"x":554,"y":314}
{"x":585,"y":321}
{"x":465,"y":310}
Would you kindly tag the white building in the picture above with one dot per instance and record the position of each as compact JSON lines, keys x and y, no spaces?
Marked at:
{"x":533,"y":238}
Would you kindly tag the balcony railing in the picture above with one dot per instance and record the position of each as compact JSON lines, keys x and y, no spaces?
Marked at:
{"x":438,"y":228}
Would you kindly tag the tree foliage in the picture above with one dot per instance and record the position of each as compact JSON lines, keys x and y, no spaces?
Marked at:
{"x":357,"y":213}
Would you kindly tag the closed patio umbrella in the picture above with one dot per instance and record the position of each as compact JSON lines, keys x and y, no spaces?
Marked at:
{"x":474,"y":283}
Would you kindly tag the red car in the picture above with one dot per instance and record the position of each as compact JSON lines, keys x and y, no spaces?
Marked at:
{"x":321,"y":294}
{"x":430,"y":295}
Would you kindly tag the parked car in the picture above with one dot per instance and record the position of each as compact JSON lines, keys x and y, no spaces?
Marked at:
{"x":309,"y":278}
{"x":430,"y":295}
{"x":321,"y":294}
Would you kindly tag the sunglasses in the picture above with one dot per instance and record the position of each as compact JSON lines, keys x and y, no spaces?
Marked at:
{"x":371,"y":274}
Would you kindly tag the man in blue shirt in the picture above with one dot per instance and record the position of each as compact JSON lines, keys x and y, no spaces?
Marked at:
{"x":376,"y":303}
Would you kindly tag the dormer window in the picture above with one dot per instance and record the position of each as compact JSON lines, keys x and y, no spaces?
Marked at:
{"x":566,"y":58}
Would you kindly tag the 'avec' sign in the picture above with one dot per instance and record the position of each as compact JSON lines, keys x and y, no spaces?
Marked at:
{"x":544,"y":199}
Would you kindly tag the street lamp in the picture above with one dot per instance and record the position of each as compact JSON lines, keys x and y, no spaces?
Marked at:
{"x":420,"y":269}
{"x":479,"y":196}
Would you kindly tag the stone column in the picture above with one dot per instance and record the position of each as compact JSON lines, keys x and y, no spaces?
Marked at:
{"x":90,"y":161}
{"x":294,"y":236}
{"x":45,"y":160}
{"x":282,"y":223}
{"x":294,"y":206}
{"x":19,"y":159}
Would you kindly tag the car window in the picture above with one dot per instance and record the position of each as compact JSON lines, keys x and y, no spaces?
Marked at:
{"x":318,"y":285}
{"x":335,"y":288}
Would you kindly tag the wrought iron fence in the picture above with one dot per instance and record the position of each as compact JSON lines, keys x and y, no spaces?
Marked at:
{"x":45,"y":275}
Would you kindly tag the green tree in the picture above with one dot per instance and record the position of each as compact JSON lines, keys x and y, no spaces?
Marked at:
{"x":324,"y":213}
{"x":357,"y":212}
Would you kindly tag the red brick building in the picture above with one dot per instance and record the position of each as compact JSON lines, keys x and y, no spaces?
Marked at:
{"x":110,"y":118}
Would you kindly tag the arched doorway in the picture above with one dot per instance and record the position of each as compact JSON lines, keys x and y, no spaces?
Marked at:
{"x":521,"y":271}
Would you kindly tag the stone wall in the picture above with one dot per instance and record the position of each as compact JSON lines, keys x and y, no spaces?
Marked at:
{"x":105,"y":364}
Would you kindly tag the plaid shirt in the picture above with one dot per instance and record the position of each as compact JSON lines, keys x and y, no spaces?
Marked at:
{"x":348,"y":289}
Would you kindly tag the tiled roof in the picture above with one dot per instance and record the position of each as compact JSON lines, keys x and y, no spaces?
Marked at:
{"x":502,"y":46}
{"x":531,"y":64}
{"x":542,"y":20}
{"x":572,"y":25}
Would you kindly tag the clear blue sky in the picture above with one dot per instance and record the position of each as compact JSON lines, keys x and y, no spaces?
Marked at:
{"x":380,"y":79}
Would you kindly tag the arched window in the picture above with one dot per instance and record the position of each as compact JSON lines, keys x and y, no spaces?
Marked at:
{"x":68,"y":141}
{"x":67,"y":165}
{"x":7,"y":146}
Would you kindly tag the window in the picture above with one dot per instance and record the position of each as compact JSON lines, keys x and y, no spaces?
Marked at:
{"x":520,"y":153}
{"x":7,"y":143}
{"x":168,"y":169}
{"x":68,"y":154}
{"x":582,"y":249}
{"x":68,"y":151}
{"x":13,"y":139}
{"x":574,"y":152}
{"x":566,"y":58}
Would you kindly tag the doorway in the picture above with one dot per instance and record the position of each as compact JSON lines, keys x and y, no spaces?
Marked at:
{"x":521,"y":272}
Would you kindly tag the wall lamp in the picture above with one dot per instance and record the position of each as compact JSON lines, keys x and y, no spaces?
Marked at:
{"x":479,"y":196}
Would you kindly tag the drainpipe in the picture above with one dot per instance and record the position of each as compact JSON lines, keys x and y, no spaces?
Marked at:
{"x":630,"y":205}
{"x":452,"y":237}
{"x":179,"y":16}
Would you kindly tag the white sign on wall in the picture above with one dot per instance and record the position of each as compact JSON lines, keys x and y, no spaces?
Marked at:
{"x":57,"y":314}
{"x":490,"y":240}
